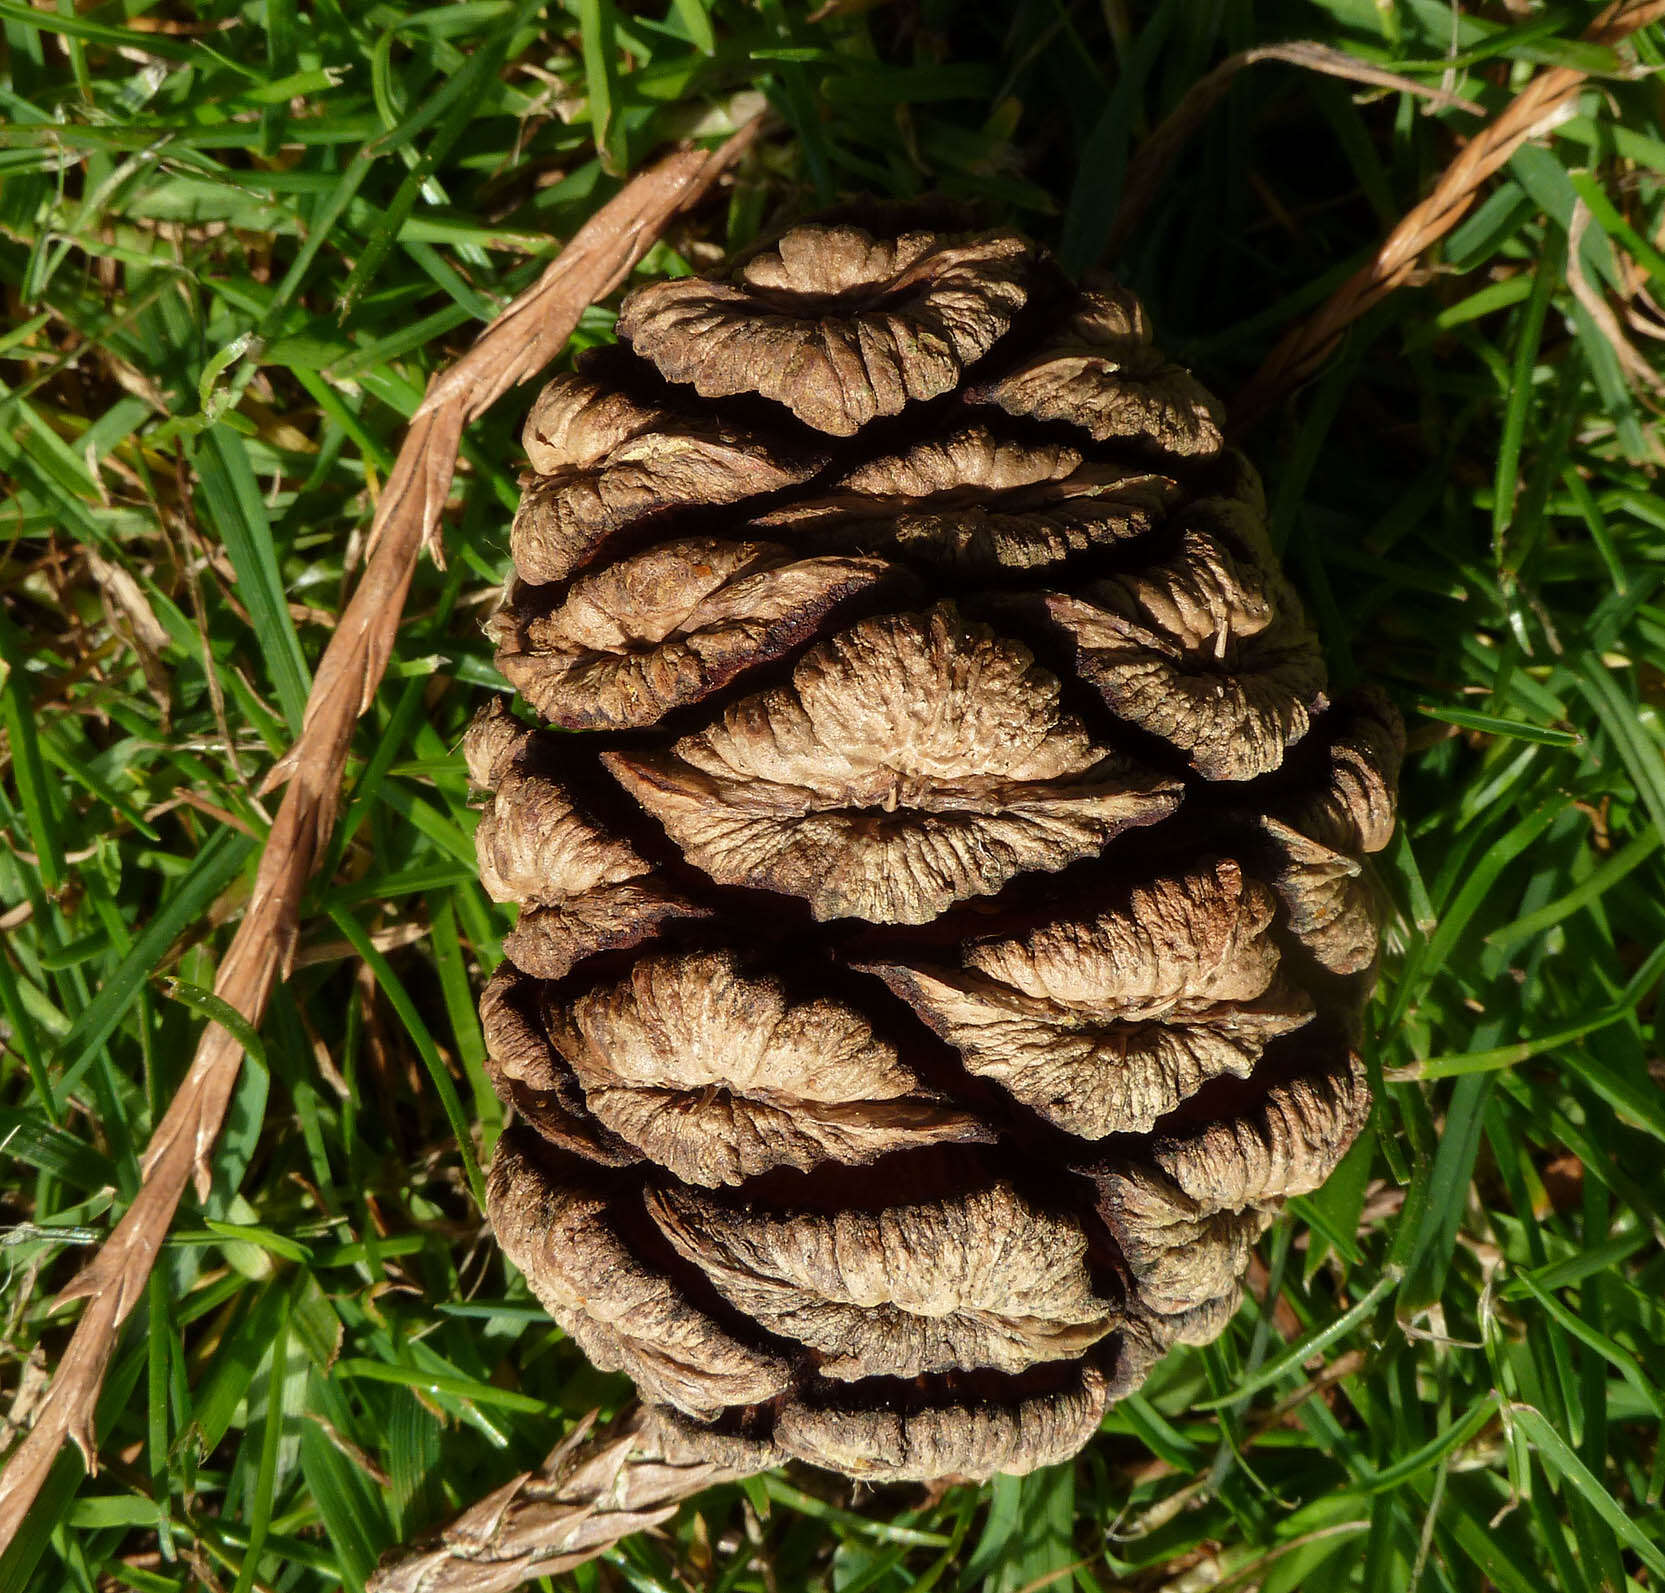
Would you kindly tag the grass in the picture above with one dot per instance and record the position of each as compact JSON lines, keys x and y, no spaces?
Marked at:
{"x":235,"y":240}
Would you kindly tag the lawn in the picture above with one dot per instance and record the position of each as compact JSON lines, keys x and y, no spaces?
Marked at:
{"x":236,"y":241}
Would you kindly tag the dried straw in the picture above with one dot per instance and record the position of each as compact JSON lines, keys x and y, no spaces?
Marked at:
{"x":514,"y":348}
{"x":1548,"y":99}
{"x":590,"y":1493}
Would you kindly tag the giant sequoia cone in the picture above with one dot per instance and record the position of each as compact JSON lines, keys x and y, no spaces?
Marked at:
{"x":942,"y":948}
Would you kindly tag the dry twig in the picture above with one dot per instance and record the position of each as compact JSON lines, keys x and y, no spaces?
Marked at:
{"x":514,"y":348}
{"x":1546,"y":100}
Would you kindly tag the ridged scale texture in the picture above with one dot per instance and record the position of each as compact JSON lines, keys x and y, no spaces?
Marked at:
{"x":941,"y":947}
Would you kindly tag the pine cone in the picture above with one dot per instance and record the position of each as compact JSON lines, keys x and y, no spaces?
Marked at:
{"x":945,"y":949}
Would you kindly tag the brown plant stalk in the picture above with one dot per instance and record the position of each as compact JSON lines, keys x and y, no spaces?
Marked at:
{"x":512,"y":349}
{"x":1548,"y":98}
{"x":591,"y":1492}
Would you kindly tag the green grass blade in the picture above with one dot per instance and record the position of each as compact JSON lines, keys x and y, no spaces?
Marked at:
{"x":405,"y":1009}
{"x":1553,"y":1450}
{"x":231,"y":500}
{"x":217,"y":865}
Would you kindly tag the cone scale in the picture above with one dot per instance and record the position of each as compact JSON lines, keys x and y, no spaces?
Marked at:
{"x":944,"y":921}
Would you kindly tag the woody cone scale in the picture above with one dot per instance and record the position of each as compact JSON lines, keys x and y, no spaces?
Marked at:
{"x":945,"y":915}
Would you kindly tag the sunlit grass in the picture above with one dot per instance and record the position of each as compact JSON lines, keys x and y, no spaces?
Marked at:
{"x":236,"y":240}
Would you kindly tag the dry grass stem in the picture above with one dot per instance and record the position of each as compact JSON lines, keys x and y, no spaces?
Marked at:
{"x":1597,"y":307}
{"x":1545,"y":101}
{"x":589,"y":1493}
{"x":515,"y":347}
